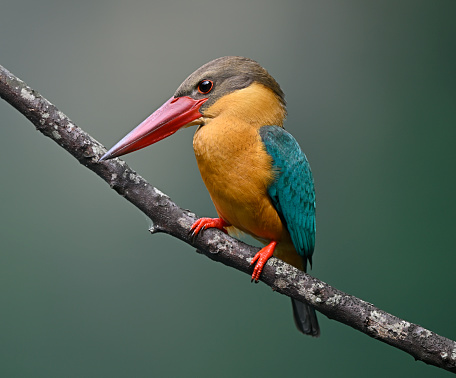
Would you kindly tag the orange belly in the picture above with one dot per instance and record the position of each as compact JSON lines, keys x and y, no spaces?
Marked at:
{"x":237,"y":171}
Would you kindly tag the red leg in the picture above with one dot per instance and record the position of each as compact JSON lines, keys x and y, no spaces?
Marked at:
{"x":203,"y":223}
{"x":262,"y":256}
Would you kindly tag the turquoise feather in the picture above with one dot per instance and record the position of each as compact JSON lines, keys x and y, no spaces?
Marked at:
{"x":292,"y":192}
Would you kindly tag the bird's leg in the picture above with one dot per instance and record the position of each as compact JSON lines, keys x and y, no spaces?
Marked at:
{"x":262,"y":256}
{"x":204,"y":223}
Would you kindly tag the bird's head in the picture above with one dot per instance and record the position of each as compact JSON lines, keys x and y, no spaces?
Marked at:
{"x":230,"y":86}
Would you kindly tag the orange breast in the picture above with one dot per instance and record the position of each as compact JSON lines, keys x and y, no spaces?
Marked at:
{"x":236,"y":171}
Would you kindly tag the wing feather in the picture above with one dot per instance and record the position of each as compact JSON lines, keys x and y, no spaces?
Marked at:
{"x":292,"y":192}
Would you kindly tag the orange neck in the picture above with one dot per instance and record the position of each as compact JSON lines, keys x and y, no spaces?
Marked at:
{"x":255,"y":105}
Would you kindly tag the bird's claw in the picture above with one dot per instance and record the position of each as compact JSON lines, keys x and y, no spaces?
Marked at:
{"x":261,"y":258}
{"x":203,"y":223}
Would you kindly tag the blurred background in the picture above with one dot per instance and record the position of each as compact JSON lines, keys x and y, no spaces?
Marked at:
{"x":85,"y":290}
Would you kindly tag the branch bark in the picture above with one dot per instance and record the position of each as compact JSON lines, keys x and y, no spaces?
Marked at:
{"x":167,"y":217}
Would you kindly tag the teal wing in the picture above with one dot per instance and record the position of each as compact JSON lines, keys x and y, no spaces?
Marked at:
{"x":292,"y":192}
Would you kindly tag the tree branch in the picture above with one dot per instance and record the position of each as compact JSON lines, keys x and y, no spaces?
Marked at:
{"x":167,"y":217}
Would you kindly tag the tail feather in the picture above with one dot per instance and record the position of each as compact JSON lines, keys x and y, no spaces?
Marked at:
{"x":305,"y":318}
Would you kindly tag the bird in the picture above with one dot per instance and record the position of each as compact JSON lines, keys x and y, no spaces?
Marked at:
{"x":257,"y":176}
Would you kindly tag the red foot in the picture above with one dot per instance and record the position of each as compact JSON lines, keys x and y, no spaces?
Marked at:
{"x":262,"y":256}
{"x":204,"y":223}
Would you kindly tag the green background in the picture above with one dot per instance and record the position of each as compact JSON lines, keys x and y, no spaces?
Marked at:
{"x":86,"y":291}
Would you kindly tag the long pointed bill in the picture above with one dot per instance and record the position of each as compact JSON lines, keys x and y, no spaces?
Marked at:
{"x":170,"y":117}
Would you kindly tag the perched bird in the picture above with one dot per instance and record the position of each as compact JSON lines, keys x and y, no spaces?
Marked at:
{"x":257,"y":176}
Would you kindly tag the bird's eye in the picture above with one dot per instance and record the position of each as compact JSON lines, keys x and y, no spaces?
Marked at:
{"x":205,"y":86}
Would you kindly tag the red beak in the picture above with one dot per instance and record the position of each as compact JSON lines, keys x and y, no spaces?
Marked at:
{"x":165,"y":121}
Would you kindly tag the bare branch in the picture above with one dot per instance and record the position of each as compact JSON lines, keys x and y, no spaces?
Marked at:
{"x":167,"y":217}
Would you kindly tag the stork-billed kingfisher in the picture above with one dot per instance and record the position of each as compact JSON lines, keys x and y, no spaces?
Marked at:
{"x":257,"y":176}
